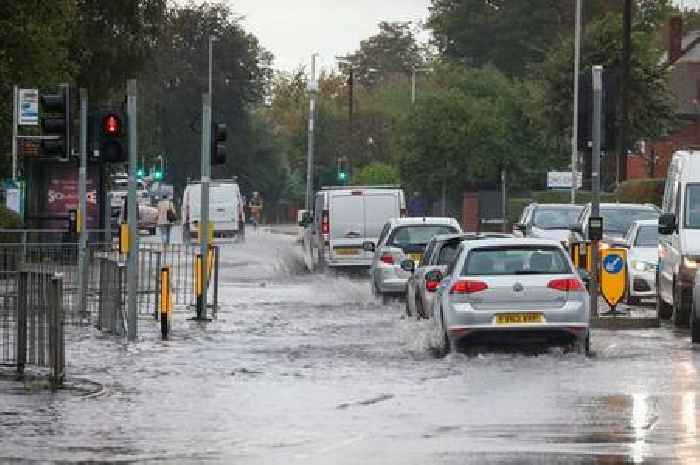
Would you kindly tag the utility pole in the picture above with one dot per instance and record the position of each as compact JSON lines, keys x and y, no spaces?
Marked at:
{"x":595,"y":181}
{"x":15,"y":96}
{"x":351,"y":97}
{"x":312,"y":88}
{"x":82,"y":206}
{"x":504,"y":199}
{"x":624,"y":86}
{"x":574,"y":136}
{"x":133,"y":255}
{"x":204,"y":217}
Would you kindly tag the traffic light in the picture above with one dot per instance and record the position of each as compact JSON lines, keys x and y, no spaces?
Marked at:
{"x":218,"y":146}
{"x":342,"y":171}
{"x":55,"y":123}
{"x":608,"y":129}
{"x":112,"y":136}
{"x":157,"y":174}
{"x":140,"y":173}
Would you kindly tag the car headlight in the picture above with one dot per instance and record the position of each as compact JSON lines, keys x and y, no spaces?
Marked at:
{"x":643,"y":266}
{"x":690,"y":263}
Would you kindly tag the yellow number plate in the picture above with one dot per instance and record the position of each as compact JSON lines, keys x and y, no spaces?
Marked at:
{"x":415,"y":257}
{"x":518,"y":318}
{"x":346,"y":251}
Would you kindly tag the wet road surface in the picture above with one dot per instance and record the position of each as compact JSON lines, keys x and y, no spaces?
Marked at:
{"x":304,"y":369}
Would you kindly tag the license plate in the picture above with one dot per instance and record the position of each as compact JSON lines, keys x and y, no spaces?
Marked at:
{"x":518,"y":318}
{"x":346,"y":251}
{"x":415,"y":257}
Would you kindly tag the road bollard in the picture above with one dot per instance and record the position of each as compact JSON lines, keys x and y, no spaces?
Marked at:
{"x":165,"y":302}
{"x":198,"y":284}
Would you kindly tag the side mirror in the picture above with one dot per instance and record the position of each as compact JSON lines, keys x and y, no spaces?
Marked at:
{"x":368,"y":246}
{"x":434,"y":276}
{"x":408,"y":265}
{"x":667,"y":223}
{"x":521,"y":227}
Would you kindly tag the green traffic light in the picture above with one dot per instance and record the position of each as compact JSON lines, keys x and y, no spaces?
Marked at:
{"x":139,"y":173}
{"x":157,"y":175}
{"x":342,"y":175}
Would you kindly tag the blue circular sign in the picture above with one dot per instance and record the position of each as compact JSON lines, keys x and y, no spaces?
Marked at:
{"x":613,"y":264}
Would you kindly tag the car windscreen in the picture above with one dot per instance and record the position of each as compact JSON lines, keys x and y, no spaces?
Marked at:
{"x":647,"y":236}
{"x":555,"y":218}
{"x":692,"y":206}
{"x":515,"y":260}
{"x":617,"y":220}
{"x":417,"y":235}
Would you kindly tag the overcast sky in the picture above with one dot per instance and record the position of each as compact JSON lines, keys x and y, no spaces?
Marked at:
{"x":294,"y":29}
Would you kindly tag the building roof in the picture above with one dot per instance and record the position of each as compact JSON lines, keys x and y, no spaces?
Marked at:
{"x":690,"y":52}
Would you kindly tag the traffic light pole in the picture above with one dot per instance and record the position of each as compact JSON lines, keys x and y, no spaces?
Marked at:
{"x":204,"y":217}
{"x":595,"y":181}
{"x":82,"y":208}
{"x":133,"y":255}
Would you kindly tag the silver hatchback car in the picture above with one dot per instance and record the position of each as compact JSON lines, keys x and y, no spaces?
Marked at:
{"x":503,"y":291}
{"x":401,"y":239}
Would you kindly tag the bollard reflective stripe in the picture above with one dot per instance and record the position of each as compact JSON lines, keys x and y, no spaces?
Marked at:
{"x":165,"y":302}
{"x":589,"y":257}
{"x":198,"y":276}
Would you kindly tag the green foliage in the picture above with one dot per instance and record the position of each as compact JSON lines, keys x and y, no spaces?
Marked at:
{"x":377,"y":173}
{"x":641,"y":191}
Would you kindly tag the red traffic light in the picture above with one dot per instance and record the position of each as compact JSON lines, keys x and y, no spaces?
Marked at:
{"x":111,"y":125}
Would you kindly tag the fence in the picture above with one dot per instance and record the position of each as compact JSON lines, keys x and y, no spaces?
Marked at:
{"x":31,"y":323}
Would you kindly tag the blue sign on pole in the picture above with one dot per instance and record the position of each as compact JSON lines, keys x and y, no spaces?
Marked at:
{"x":613,"y":264}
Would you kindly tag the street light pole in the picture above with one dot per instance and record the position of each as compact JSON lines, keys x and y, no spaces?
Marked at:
{"x":312,"y":88}
{"x":574,"y":136}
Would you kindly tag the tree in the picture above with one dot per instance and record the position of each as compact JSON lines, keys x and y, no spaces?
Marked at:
{"x":394,"y":50}
{"x":508,"y":34}
{"x":377,"y":173}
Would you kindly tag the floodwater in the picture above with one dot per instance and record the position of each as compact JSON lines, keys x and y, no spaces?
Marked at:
{"x":308,"y":369}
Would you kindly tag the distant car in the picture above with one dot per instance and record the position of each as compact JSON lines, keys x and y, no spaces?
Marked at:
{"x":439,"y":253}
{"x":617,"y":220}
{"x":642,"y":260}
{"x":401,"y":239}
{"x":226,"y":212}
{"x":501,"y":291}
{"x":549,"y":221}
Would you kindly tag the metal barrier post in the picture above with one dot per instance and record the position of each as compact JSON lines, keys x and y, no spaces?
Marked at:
{"x":56,"y":346}
{"x":22,"y":297}
{"x":159,"y":286}
{"x":216,"y":281}
{"x":165,"y":302}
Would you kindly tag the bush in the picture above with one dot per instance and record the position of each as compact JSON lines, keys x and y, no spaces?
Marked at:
{"x":641,"y":191}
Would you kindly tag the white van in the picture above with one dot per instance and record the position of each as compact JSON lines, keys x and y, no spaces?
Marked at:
{"x":225,"y":208}
{"x":346,"y":217}
{"x":679,"y":240}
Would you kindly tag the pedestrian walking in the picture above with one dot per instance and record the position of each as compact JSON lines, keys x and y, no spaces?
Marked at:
{"x":166,"y":218}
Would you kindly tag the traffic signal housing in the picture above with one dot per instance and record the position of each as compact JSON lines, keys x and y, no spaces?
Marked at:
{"x":608,"y":120}
{"x":111,"y":135}
{"x":342,"y":171}
{"x":55,"y":123}
{"x":218,"y":146}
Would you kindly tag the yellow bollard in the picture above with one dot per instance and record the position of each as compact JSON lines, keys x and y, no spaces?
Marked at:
{"x":124,"y":238}
{"x":166,"y":306}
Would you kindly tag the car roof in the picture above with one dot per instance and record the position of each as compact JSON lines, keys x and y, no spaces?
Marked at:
{"x":567,"y":206}
{"x":469,"y":236}
{"x":424,"y":220}
{"x":639,"y":206}
{"x":512,"y":241}
{"x":647,"y":222}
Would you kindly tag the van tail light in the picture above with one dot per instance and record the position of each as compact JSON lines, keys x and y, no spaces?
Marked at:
{"x":566,"y":285}
{"x":402,"y":212}
{"x":387,"y":258}
{"x":468,"y":287}
{"x":325,"y":226}
{"x":432,"y":285}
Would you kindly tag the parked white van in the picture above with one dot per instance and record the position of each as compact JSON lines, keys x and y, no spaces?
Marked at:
{"x":225,"y":208}
{"x":679,"y":241}
{"x":343,"y":219}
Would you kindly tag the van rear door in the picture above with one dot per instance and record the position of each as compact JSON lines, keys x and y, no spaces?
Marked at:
{"x":346,"y":220}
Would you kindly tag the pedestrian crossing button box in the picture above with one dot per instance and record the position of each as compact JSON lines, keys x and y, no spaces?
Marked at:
{"x":595,"y":228}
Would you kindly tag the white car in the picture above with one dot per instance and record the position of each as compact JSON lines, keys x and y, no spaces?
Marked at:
{"x":401,"y":239}
{"x":642,"y":260}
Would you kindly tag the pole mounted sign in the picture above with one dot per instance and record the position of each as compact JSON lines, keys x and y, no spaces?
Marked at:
{"x":613,"y":278}
{"x":28,"y":107}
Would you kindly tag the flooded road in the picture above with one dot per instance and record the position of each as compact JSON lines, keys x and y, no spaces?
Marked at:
{"x":308,"y":369}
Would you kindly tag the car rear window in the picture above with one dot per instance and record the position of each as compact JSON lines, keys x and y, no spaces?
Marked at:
{"x":419,"y":234}
{"x":448,"y":253}
{"x":617,"y":220}
{"x":555,"y":217}
{"x":647,"y":236}
{"x":515,"y":260}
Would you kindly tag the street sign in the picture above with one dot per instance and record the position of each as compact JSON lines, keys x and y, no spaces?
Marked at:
{"x":28,"y":107}
{"x":562,"y":180}
{"x":613,"y":277}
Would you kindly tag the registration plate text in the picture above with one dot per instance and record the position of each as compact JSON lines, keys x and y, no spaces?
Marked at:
{"x":518,"y":318}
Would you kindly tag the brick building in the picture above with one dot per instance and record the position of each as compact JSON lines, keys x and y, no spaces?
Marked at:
{"x":683,"y":59}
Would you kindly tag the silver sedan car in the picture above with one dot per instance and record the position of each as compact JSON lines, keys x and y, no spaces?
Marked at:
{"x":504,"y":291}
{"x":401,"y":239}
